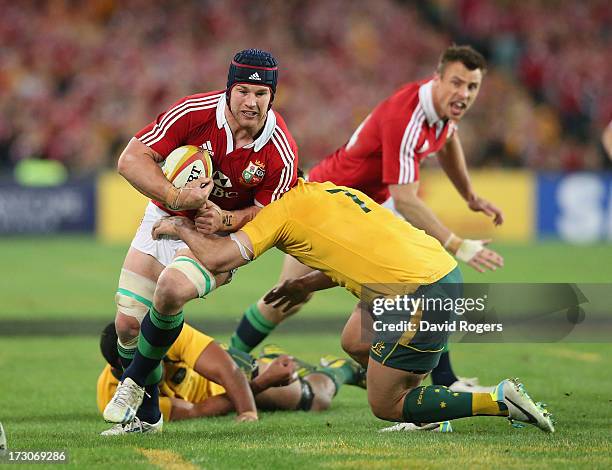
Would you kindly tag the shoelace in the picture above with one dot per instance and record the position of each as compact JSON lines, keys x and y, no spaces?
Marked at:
{"x":124,"y":392}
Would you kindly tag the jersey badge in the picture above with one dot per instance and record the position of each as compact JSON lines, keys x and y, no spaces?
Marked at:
{"x":378,"y":348}
{"x":253,"y":173}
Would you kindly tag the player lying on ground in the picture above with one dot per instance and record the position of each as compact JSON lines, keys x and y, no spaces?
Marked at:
{"x":197,"y":372}
{"x":382,"y":159}
{"x":254,"y":159}
{"x":351,"y":241}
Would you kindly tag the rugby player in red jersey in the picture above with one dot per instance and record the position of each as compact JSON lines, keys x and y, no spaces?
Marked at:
{"x":382,"y":159}
{"x":254,"y":161}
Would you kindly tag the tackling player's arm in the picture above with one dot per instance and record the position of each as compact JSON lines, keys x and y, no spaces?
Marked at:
{"x":139,"y":165}
{"x":452,"y":161}
{"x":212,"y":219}
{"x":222,"y":254}
{"x":218,"y":254}
{"x":296,"y":291}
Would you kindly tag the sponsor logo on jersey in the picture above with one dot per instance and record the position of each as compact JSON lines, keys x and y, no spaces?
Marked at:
{"x":208,"y":147}
{"x":221,"y":179}
{"x":253,"y":173}
{"x":255,"y":76}
{"x":222,"y":184}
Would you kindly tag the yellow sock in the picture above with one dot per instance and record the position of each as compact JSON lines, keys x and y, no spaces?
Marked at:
{"x":483,"y":404}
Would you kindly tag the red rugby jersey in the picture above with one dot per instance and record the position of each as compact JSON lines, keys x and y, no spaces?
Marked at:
{"x":257,"y":173}
{"x":389,"y":144}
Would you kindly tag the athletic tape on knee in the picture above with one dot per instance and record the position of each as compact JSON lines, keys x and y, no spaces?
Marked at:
{"x":134,"y":295}
{"x":198,"y":275}
{"x":132,"y":344}
{"x":247,"y":254}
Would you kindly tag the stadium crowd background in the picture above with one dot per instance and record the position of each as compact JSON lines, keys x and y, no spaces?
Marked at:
{"x":79,"y":78}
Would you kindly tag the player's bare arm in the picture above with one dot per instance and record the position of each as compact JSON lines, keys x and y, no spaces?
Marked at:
{"x":452,"y":161}
{"x":292,"y":292}
{"x":139,"y":165}
{"x":219,"y":254}
{"x":279,"y":372}
{"x":473,"y":252}
{"x":216,"y":365}
{"x":212,"y":219}
{"x":414,"y":210}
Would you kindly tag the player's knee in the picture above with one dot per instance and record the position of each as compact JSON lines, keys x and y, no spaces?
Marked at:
{"x":384,"y":410}
{"x":322,"y":401}
{"x":133,"y":299}
{"x":172,"y":291}
{"x":353,"y":346}
{"x":127,"y":327}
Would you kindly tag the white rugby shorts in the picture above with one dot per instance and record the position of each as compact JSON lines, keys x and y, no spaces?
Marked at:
{"x":163,"y":251}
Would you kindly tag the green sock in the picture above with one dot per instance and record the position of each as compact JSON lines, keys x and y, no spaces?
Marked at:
{"x":341,"y":372}
{"x":252,"y":330}
{"x":435,"y":403}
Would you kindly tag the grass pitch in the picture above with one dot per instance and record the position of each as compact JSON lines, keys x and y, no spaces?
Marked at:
{"x":48,"y":402}
{"x":47,"y":384}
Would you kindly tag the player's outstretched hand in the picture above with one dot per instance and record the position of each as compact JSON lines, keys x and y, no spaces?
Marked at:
{"x":486,"y":259}
{"x":478,"y":204}
{"x":247,"y":416}
{"x":166,"y":227}
{"x":209,"y":219}
{"x":281,"y":371}
{"x":291,"y":292}
{"x":191,"y":196}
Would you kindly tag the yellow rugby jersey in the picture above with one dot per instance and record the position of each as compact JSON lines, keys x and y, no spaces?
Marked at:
{"x":180,"y":378}
{"x":345,"y":234}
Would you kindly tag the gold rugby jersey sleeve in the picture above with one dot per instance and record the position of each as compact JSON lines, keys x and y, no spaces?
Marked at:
{"x":345,"y":234}
{"x":189,"y":345}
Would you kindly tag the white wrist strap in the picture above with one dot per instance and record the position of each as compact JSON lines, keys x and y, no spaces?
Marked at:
{"x":468,"y":249}
{"x":244,"y":251}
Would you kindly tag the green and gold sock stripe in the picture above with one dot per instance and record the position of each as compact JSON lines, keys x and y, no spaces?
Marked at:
{"x":165,"y":322}
{"x":258,"y":321}
{"x":208,"y":277}
{"x":135,"y":296}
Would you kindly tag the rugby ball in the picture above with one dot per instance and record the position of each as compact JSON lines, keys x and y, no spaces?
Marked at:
{"x":187,"y":163}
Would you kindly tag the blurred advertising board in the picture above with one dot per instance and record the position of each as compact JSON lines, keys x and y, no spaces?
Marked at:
{"x":65,"y":208}
{"x":120,"y":208}
{"x":575,"y":207}
{"x":513,"y":191}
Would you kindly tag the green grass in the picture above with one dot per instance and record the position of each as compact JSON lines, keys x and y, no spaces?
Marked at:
{"x":48,"y":402}
{"x":77,"y":277}
{"x":47,"y":384}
